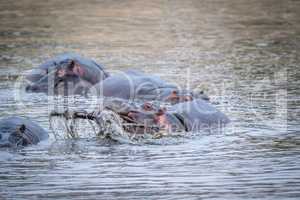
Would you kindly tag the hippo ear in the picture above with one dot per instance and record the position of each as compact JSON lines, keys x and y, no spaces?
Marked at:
{"x":174,"y":92}
{"x":71,"y":64}
{"x":21,"y":128}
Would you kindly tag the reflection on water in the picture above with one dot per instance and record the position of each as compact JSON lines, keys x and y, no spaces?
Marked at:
{"x":244,"y":54}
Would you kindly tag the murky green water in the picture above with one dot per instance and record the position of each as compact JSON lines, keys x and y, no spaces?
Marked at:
{"x":244,"y":54}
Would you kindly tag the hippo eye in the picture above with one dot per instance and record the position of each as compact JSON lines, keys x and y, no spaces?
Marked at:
{"x":0,"y":136}
{"x":22,"y":128}
{"x":71,"y":64}
{"x":147,"y":106}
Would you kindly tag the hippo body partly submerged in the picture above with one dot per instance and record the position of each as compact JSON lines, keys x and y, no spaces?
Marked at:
{"x":197,"y":115}
{"x":19,"y":131}
{"x":190,"y":116}
{"x":132,"y":85}
{"x":70,"y":73}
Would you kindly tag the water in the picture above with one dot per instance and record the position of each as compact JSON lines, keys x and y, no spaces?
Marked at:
{"x":244,"y":54}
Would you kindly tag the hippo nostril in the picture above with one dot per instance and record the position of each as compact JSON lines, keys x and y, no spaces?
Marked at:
{"x":34,"y":88}
{"x":28,"y":88}
{"x":131,"y":115}
{"x":147,"y":106}
{"x":31,"y":88}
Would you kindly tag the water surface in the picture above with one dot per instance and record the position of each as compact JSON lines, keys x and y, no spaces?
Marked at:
{"x":244,"y":54}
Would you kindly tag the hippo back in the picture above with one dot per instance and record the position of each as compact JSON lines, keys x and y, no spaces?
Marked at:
{"x":198,"y":114}
{"x":134,"y":84}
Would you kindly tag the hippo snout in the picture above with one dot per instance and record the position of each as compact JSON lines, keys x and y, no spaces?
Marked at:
{"x":35,"y":75}
{"x":36,"y":88}
{"x":32,"y":88}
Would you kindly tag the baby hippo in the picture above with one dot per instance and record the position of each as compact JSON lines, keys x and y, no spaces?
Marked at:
{"x":18,"y":131}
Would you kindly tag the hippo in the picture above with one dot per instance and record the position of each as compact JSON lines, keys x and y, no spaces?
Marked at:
{"x":19,"y":131}
{"x":71,"y":68}
{"x":132,"y":85}
{"x":188,"y":116}
{"x":70,"y":73}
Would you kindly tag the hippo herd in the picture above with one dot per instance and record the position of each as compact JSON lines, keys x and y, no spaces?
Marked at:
{"x":129,"y":94}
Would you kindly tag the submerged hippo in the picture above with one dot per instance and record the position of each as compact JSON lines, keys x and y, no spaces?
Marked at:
{"x":69,"y":68}
{"x":195,"y":115}
{"x":186,"y":116}
{"x":72,"y":74}
{"x":19,"y":131}
{"x":133,"y":85}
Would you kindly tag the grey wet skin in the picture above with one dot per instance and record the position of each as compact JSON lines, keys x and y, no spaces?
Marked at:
{"x":67,"y":85}
{"x":68,"y":67}
{"x":195,"y":115}
{"x":18,"y":131}
{"x":131,"y":85}
{"x":81,"y":74}
{"x":134,"y":85}
{"x":198,"y":115}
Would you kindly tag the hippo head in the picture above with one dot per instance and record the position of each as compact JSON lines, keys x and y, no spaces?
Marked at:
{"x":44,"y":80}
{"x":66,"y":68}
{"x":177,"y":96}
{"x":148,"y":118}
{"x":18,"y":131}
{"x":19,"y":136}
